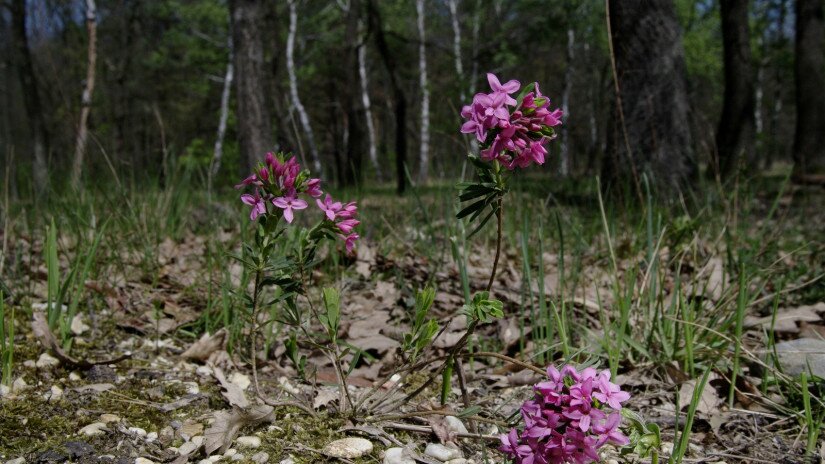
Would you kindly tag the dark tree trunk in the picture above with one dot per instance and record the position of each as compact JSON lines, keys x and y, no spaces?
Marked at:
{"x":650,"y":130}
{"x":809,"y":141}
{"x":735,"y":136}
{"x":31,"y":95}
{"x":352,"y":101}
{"x":399,"y":100}
{"x":254,"y":130}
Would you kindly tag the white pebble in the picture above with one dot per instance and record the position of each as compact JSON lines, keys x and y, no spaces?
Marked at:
{"x":455,"y":424}
{"x":441,"y":452}
{"x":249,"y":441}
{"x":137,"y":431}
{"x":46,"y":360}
{"x":95,"y":428}
{"x":396,"y":456}
{"x":352,"y":447}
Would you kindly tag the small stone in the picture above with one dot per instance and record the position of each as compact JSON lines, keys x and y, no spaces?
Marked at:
{"x":144,"y":461}
{"x":230,"y":452}
{"x":237,"y":457}
{"x":796,"y":355}
{"x":261,"y":458}
{"x":352,"y":447}
{"x":19,"y":385}
{"x":17,"y":461}
{"x":100,"y":373}
{"x":51,"y":456}
{"x":137,"y":431}
{"x":214,"y":459}
{"x":612,"y":461}
{"x":204,"y":371}
{"x":74,"y":376}
{"x":441,"y":452}
{"x":151,"y":437}
{"x":198,"y":440}
{"x":457,"y":461}
{"x":192,"y":388}
{"x":667,"y":447}
{"x":55,"y":393}
{"x":29,"y":363}
{"x":396,"y":456}
{"x":46,"y":360}
{"x":109,"y":418}
{"x":4,"y":390}
{"x":95,"y":428}
{"x":78,"y":449}
{"x":78,"y":327}
{"x":188,"y":448}
{"x":455,"y":425}
{"x":249,"y":441}
{"x":240,"y":380}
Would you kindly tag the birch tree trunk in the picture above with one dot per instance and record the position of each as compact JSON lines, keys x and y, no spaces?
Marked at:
{"x":31,"y":96}
{"x":293,"y":87}
{"x":365,"y":100}
{"x":564,"y":167}
{"x":88,"y":91}
{"x":459,"y":68}
{"x":424,"y":154}
{"x":217,"y":154}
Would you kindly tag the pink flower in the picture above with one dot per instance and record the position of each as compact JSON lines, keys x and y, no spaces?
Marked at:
{"x":329,"y":207}
{"x":313,"y":188}
{"x":251,"y":180}
{"x":508,"y":88}
{"x":563,"y":423}
{"x":349,"y":242}
{"x":288,"y":204}
{"x":257,"y":204}
{"x":347,"y":225}
{"x":610,"y":393}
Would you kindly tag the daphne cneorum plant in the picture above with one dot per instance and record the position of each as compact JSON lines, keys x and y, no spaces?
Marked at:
{"x":277,"y":190}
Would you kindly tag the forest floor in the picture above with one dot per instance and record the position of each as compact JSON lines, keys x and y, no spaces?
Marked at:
{"x":154,"y":365}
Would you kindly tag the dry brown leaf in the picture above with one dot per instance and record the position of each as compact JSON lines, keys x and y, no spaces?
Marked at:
{"x":205,"y":346}
{"x":219,"y":436}
{"x":441,"y":429}
{"x":325,"y":396}
{"x":232,"y":392}
{"x":709,"y":401}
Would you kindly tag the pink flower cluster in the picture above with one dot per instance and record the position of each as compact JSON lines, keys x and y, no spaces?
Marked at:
{"x":572,"y":415}
{"x":521,"y":133}
{"x":279,"y":182}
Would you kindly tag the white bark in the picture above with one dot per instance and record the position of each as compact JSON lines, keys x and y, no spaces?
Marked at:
{"x":476,"y":30}
{"x":564,"y":168}
{"x":217,"y":155}
{"x":365,"y":99}
{"x":424,"y":154}
{"x":459,"y":68}
{"x":293,"y":87}
{"x":88,"y":90}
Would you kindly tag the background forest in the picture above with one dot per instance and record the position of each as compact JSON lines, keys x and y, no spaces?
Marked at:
{"x":337,"y":81}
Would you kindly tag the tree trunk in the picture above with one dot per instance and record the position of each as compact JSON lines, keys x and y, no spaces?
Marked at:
{"x":31,"y":96}
{"x":424,"y":153}
{"x":303,"y":117}
{"x":254,"y":124}
{"x":88,"y":91}
{"x":735,"y":136}
{"x":459,"y":67}
{"x":354,"y":133}
{"x":564,"y":168}
{"x":809,"y":140}
{"x":365,"y":100}
{"x":217,"y":154}
{"x":651,"y":131}
{"x":775,"y":149}
{"x":398,"y":99}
